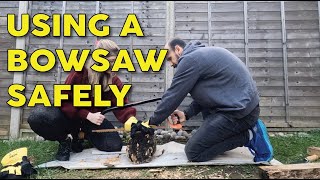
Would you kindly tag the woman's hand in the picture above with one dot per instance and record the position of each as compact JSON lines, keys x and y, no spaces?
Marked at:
{"x":96,"y":118}
{"x":178,"y":114}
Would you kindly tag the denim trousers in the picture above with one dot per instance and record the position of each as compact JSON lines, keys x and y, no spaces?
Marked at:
{"x":220,"y":132}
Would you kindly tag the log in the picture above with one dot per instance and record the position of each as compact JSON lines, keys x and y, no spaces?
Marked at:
{"x":141,"y":148}
{"x":314,"y":154}
{"x":301,"y":171}
{"x":314,"y":151}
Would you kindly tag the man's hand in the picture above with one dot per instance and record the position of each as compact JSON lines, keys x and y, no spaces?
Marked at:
{"x":178,"y":115}
{"x":96,"y":118}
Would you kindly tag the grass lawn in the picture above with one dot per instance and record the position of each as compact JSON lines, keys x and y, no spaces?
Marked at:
{"x":288,"y":149}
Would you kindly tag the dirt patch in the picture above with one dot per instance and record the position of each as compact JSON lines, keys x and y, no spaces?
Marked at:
{"x":185,"y":172}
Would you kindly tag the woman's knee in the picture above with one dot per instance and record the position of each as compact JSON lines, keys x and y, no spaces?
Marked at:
{"x":110,"y":147}
{"x":45,"y":122}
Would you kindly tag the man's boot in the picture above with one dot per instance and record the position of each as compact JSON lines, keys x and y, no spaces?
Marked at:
{"x":64,"y":150}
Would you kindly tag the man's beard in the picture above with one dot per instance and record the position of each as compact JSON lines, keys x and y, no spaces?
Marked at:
{"x":177,"y":57}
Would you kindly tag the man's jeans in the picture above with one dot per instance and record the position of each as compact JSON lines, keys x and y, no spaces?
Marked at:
{"x":219,"y":133}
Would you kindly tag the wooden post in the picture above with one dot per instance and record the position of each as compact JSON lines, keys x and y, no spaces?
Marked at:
{"x":131,"y":38}
{"x":319,"y":14}
{"x":97,"y":12}
{"x":16,"y":113}
{"x":170,"y":28}
{"x":170,"y":23}
{"x":97,"y":7}
{"x":131,"y":50}
{"x":246,"y":41}
{"x":209,"y":23}
{"x":59,"y":71}
{"x":288,"y":171}
{"x":285,"y":60}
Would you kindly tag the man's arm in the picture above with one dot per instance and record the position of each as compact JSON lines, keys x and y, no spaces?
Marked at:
{"x":185,"y":78}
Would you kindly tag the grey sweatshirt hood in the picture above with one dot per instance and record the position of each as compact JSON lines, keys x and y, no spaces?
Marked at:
{"x":190,"y":47}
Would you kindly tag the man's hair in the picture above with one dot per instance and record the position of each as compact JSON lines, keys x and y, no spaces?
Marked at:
{"x":176,"y":41}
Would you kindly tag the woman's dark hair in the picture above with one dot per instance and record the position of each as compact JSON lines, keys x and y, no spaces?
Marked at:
{"x":176,"y":41}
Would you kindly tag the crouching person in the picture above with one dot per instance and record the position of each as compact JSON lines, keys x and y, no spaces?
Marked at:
{"x":224,"y":92}
{"x":55,"y":124}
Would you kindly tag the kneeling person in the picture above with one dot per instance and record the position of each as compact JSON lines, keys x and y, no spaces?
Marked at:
{"x":226,"y":95}
{"x":55,"y":124}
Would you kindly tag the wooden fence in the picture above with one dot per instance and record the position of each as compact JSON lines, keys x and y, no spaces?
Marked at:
{"x":277,"y":40}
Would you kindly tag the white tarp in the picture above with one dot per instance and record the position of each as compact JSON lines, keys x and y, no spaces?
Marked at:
{"x":169,"y":154}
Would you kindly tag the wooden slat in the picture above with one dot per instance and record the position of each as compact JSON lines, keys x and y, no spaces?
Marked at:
{"x":269,"y":81}
{"x":4,"y":91}
{"x":304,"y":91}
{"x":308,"y":25}
{"x":260,"y":16}
{"x":272,"y":111}
{"x":302,"y":34}
{"x":304,"y":62}
{"x":304,"y":72}
{"x":5,"y":83}
{"x":9,"y":10}
{"x":266,"y":72}
{"x":302,"y":15}
{"x":228,"y":44}
{"x":304,"y":81}
{"x":263,"y":6}
{"x":301,"y":5}
{"x":267,"y":53}
{"x":227,"y":7}
{"x":148,"y":87}
{"x":9,"y":4}
{"x":271,"y":91}
{"x":304,"y":123}
{"x":4,"y":132}
{"x":191,"y":16}
{"x":259,"y":25}
{"x":271,"y":101}
{"x":305,"y":101}
{"x":310,"y":170}
{"x":303,"y":43}
{"x":266,"y":62}
{"x":304,"y":52}
{"x":186,"y":7}
{"x":304,"y":111}
{"x":225,"y":17}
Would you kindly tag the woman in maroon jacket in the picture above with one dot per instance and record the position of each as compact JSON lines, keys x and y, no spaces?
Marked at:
{"x":56,"y":124}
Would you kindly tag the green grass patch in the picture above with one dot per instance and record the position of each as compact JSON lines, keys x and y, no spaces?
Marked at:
{"x":288,"y":149}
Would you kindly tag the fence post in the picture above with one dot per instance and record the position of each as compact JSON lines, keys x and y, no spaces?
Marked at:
{"x":319,"y":16}
{"x":170,"y":23}
{"x":246,"y":41}
{"x":209,"y":23}
{"x":285,"y":60}
{"x":59,"y":71}
{"x":16,"y":113}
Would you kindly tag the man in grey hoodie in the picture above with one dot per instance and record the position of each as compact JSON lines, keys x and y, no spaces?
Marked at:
{"x":226,"y":95}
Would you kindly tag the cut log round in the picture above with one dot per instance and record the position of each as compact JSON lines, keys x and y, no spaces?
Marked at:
{"x":141,"y":148}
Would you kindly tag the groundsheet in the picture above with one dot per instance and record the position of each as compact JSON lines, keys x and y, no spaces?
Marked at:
{"x":169,"y":154}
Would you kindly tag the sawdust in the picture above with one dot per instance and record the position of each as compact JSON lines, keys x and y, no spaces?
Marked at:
{"x":112,"y":161}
